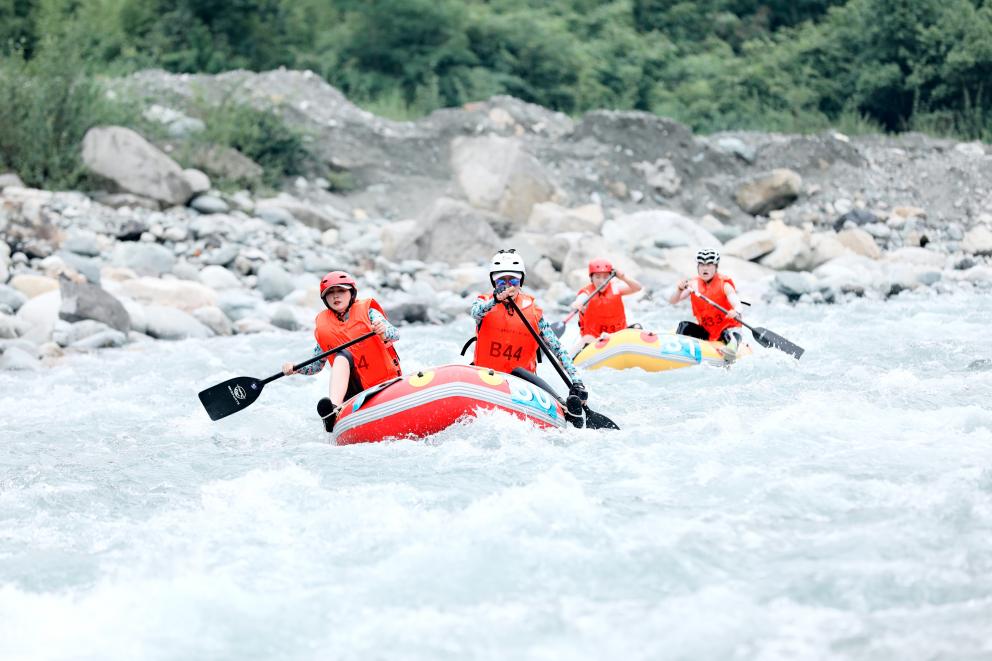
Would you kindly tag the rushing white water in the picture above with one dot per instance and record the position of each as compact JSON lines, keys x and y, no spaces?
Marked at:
{"x":835,"y":507}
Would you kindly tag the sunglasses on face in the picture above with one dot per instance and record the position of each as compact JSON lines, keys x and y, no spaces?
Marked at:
{"x":508,"y":282}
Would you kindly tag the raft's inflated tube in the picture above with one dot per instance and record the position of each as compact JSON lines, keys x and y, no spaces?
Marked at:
{"x":650,"y":351}
{"x":431,"y":400}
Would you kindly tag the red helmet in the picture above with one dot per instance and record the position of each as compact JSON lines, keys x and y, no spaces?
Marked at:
{"x":600,"y":266}
{"x":337,"y":279}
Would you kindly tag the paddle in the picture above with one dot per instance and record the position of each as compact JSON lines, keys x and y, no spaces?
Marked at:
{"x":241,"y":392}
{"x":593,"y":420}
{"x":764,"y":337}
{"x":559,"y":326}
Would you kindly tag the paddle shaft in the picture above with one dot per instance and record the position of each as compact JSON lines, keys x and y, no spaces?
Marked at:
{"x":595,"y":291}
{"x":541,"y":343}
{"x":321,"y":356}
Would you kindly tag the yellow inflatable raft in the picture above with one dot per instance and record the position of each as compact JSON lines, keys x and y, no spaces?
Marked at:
{"x":650,"y":351}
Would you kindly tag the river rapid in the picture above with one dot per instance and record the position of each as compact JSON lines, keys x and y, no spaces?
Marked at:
{"x":838,"y":507}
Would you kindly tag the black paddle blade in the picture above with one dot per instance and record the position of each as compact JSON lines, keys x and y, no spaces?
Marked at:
{"x":598,"y":420}
{"x":766,"y":338}
{"x":558,"y":328}
{"x":231,"y":396}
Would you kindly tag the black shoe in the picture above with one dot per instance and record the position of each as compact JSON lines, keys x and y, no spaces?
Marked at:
{"x":328,"y":413}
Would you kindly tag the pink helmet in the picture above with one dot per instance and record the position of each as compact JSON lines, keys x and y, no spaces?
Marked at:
{"x":337,"y":279}
{"x":600,"y":266}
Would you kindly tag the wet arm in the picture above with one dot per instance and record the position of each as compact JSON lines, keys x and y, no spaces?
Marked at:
{"x":481,"y":307}
{"x":391,"y":333}
{"x":313,"y":368}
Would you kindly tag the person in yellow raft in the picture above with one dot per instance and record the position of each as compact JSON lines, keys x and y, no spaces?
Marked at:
{"x":603,"y":312}
{"x":711,"y":324}
{"x":361,"y":366}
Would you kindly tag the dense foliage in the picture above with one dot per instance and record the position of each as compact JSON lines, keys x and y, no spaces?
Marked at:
{"x":714,"y":64}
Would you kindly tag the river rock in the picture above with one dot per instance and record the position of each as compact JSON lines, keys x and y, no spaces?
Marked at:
{"x":792,"y":248}
{"x":11,"y":298}
{"x":10,"y":179}
{"x":657,"y":227}
{"x":824,"y":246}
{"x":751,"y":246}
{"x":773,"y":190}
{"x":222,"y":256}
{"x":165,"y":323}
{"x":207,"y":204}
{"x":551,"y":218}
{"x":284,"y":318}
{"x":65,"y":333}
{"x":144,"y":258}
{"x":135,"y":165}
{"x":978,"y":241}
{"x":11,"y":327}
{"x":498,"y":174}
{"x":198,"y":180}
{"x":181,"y":294}
{"x":858,"y":217}
{"x":218,"y":277}
{"x":89,"y":268}
{"x":920,"y":257}
{"x":321,"y":217}
{"x":214,"y":318}
{"x":795,"y":283}
{"x":859,"y":242}
{"x":104,"y":340}
{"x":87,"y":301}
{"x":227,"y":163}
{"x":82,"y":242}
{"x":237,"y":304}
{"x":453,"y":232}
{"x":252,"y":325}
{"x":273,"y":282}
{"x":33,"y":285}
{"x":15,"y":359}
{"x":40,"y":314}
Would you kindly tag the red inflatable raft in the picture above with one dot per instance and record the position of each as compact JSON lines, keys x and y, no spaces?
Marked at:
{"x":431,"y":400}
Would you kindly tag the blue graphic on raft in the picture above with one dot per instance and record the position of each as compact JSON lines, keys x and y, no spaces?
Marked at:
{"x":531,"y":396}
{"x":679,"y":346}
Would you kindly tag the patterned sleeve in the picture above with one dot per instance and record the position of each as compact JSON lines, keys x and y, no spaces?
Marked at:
{"x":313,"y":368}
{"x":481,"y":307}
{"x":552,"y":341}
{"x":391,"y":333}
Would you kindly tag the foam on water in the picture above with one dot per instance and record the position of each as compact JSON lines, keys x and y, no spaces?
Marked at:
{"x":835,"y":508}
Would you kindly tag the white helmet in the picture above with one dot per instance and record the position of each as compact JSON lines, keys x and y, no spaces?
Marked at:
{"x":708,"y":256}
{"x":507,"y":261}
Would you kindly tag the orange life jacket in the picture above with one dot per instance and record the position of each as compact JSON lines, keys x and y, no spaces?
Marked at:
{"x":502,"y":340}
{"x":714,"y":321}
{"x":374,"y":361}
{"x":604,"y":312}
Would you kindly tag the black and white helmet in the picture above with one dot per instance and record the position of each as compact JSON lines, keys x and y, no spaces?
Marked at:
{"x":708,"y":256}
{"x":507,"y":261}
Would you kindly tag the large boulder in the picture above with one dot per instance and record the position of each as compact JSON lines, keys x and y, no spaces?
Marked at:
{"x":657,"y":227}
{"x":792,"y":248}
{"x":321,"y":216}
{"x":859,"y":242}
{"x":167,"y":323}
{"x":134,"y":165}
{"x":497,"y":174}
{"x":11,"y":298}
{"x":453,"y":232}
{"x":551,"y":218}
{"x":82,"y":300}
{"x":180,"y":294}
{"x":751,"y":245}
{"x":397,"y":239}
{"x":769,"y":191}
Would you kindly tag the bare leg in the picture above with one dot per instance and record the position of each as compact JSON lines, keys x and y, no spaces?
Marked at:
{"x":340,"y":373}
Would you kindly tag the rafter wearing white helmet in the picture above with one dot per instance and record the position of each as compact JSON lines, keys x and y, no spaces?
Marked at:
{"x":507,"y":262}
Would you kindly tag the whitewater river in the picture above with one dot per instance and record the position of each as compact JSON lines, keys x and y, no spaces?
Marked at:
{"x":839,"y":507}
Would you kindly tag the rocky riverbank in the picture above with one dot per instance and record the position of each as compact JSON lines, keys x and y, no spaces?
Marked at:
{"x":161,"y":253}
